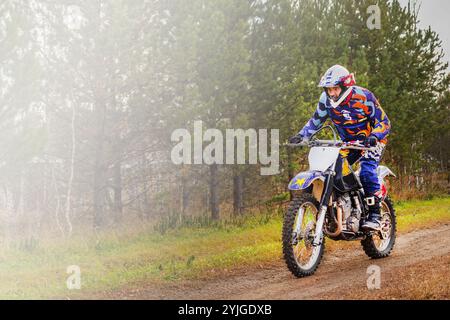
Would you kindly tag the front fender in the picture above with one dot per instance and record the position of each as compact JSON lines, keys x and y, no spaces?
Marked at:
{"x":304,"y":179}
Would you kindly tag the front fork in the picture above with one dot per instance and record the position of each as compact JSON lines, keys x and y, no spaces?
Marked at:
{"x":328,"y":188}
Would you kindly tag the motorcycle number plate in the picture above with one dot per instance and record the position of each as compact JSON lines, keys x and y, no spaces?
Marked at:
{"x":321,"y":158}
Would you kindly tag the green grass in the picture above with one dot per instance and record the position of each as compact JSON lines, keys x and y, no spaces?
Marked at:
{"x":110,"y":262}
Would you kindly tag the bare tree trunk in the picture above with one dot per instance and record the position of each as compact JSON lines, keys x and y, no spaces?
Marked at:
{"x":10,"y":216}
{"x":213,"y":186}
{"x":290,"y":171}
{"x":185,"y":191}
{"x":98,"y":196}
{"x":99,"y":166}
{"x":238,"y":190}
{"x":70,"y":182}
{"x":19,"y":211}
{"x":118,"y":205}
{"x":58,"y":203}
{"x":146,"y":186}
{"x":185,"y":198}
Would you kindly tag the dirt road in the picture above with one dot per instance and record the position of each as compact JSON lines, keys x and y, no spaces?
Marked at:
{"x":342,"y":268}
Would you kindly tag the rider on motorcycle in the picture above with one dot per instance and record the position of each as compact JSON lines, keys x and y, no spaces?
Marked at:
{"x":358,"y":116}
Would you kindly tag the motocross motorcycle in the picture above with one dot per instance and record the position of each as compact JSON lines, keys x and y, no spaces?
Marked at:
{"x":332,"y":205}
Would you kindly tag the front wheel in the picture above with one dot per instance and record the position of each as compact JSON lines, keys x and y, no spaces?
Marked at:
{"x":299,"y":226}
{"x":379,"y":245}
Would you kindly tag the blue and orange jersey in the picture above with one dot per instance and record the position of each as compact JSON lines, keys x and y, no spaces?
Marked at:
{"x":357,"y":117}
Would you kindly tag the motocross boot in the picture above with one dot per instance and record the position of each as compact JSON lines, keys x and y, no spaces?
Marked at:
{"x":373,"y":222}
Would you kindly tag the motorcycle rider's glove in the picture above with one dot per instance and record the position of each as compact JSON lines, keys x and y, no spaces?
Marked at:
{"x":296,"y":139}
{"x":371,"y":141}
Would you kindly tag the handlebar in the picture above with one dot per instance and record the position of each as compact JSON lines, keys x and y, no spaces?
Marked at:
{"x":332,"y":143}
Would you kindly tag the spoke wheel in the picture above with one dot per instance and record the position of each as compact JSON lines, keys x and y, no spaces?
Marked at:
{"x":301,"y":256}
{"x":380,"y":244}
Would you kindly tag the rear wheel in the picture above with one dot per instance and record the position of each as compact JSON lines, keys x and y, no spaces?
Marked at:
{"x":380,"y":244}
{"x":299,"y":225}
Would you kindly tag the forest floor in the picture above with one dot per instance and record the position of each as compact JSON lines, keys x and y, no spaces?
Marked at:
{"x":417,"y":269}
{"x":238,"y":260}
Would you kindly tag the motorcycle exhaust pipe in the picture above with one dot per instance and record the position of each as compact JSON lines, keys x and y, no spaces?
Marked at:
{"x":339,"y":224}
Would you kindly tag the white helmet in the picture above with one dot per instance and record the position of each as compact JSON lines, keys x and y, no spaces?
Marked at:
{"x":338,"y":76}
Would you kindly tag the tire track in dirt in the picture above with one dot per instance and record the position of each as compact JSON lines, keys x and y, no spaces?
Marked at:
{"x":339,"y":268}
